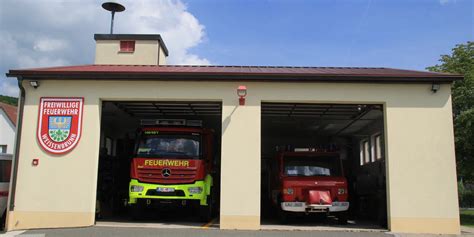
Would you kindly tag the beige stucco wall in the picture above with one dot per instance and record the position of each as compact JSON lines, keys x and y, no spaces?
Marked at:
{"x":162,"y":57}
{"x":146,"y":53}
{"x":422,"y":192}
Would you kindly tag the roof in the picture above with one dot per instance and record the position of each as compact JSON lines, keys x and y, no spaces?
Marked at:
{"x":133,"y":37}
{"x":234,"y":73}
{"x":10,"y":110}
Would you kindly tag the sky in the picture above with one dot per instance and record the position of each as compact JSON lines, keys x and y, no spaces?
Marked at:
{"x":408,"y":34}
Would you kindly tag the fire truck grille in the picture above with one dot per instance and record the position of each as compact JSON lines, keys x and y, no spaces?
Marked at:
{"x":177,"y":193}
{"x":177,"y":176}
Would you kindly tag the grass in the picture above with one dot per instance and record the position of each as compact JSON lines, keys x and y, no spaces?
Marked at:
{"x":467,"y":218}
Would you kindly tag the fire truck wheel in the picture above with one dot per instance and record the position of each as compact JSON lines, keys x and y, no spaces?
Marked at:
{"x":136,"y":212}
{"x":4,"y":217}
{"x":283,"y":216}
{"x":205,"y":212}
{"x":342,"y":218}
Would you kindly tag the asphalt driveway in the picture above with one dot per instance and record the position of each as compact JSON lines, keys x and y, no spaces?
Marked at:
{"x":156,"y":232}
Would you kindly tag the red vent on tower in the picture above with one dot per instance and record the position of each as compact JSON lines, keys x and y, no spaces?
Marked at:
{"x":127,"y":46}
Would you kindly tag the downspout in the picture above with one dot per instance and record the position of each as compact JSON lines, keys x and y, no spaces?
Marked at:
{"x":16,"y":155}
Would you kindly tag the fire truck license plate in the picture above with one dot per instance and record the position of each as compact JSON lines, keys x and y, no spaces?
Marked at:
{"x":293,"y":204}
{"x":165,"y":190}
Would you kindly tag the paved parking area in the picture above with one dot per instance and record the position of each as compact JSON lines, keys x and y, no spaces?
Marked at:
{"x":114,"y":231}
{"x":102,"y":231}
{"x":300,"y":225}
{"x":170,"y":227}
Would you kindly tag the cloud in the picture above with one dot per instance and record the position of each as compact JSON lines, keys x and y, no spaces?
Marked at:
{"x":34,"y":34}
{"x":9,"y":88}
{"x":445,"y":2}
{"x":48,"y":44}
{"x":180,"y":29}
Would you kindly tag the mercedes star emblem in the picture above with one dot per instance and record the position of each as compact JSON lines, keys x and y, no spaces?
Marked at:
{"x":166,"y":172}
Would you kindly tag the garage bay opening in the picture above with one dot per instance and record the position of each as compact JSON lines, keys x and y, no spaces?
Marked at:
{"x":323,"y":165}
{"x":159,"y":162}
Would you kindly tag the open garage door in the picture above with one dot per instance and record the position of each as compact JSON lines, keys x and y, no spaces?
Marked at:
{"x":159,"y":162}
{"x":323,"y":165}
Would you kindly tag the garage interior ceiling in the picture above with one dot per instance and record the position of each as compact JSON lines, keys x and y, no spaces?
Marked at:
{"x":321,"y":119}
{"x":322,"y":111}
{"x":164,"y":109}
{"x":303,"y":118}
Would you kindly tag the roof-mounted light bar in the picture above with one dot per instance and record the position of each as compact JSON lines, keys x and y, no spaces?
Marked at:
{"x":316,"y":148}
{"x":171,"y":122}
{"x":194,"y":123}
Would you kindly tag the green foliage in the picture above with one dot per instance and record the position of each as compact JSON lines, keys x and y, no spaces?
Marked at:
{"x":466,"y":196}
{"x":461,"y":193}
{"x":9,"y":100}
{"x":461,"y":188}
{"x":464,"y":140}
{"x":467,"y":199}
{"x":467,"y":218}
{"x":461,"y":61}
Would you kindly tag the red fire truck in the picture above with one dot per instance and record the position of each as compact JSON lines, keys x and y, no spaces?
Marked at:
{"x":309,"y":181}
{"x":173,"y":167}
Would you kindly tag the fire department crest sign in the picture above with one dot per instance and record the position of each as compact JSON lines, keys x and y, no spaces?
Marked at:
{"x":59,"y":124}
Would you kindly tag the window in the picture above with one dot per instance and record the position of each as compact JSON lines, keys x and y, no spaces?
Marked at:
{"x":311,"y":166}
{"x":127,"y":46}
{"x":364,"y":152}
{"x":170,"y":145}
{"x":3,"y":148}
{"x":378,"y":146}
{"x":108,"y":146}
{"x":371,"y":149}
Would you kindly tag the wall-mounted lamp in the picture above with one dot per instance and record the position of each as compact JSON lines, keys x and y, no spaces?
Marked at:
{"x":34,"y":84}
{"x":242,"y":92}
{"x":435,"y":87}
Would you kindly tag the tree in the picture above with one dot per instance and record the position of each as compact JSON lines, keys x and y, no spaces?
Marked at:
{"x":461,"y":61}
{"x":9,"y":100}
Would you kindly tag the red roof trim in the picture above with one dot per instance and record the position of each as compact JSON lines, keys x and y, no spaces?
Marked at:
{"x":258,"y":73}
{"x":10,"y":111}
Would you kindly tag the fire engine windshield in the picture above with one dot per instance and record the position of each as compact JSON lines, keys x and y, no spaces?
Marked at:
{"x":311,"y":166}
{"x":170,"y":145}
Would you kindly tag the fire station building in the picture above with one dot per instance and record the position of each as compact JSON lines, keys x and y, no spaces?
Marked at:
{"x":77,"y":126}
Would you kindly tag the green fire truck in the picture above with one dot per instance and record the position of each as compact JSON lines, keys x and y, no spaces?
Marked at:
{"x":173,"y":167}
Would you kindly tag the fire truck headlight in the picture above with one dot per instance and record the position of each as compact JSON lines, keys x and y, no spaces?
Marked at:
{"x":341,"y":191}
{"x":288,"y":191}
{"x":194,"y":190}
{"x":136,"y":188}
